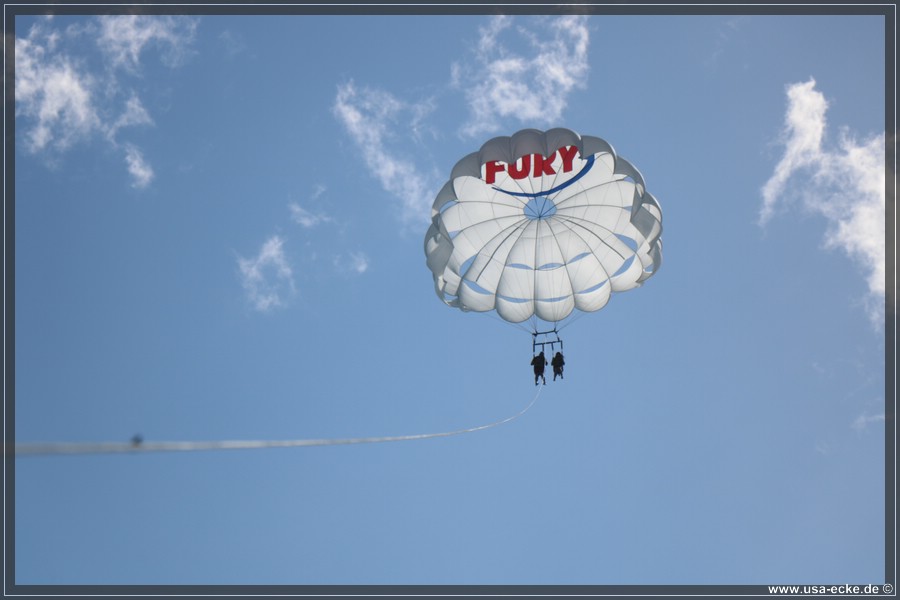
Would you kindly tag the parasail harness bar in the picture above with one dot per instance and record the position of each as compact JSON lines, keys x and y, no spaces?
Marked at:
{"x":549,"y":338}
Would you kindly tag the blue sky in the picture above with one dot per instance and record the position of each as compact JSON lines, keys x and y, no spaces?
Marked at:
{"x":219,"y":236}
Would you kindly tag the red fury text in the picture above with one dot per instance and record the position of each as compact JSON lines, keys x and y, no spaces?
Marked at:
{"x":541,"y":165}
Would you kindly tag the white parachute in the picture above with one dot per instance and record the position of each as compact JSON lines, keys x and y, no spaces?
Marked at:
{"x":539,"y":224}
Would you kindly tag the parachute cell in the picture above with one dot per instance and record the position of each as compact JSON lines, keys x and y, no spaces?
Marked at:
{"x":539,"y":224}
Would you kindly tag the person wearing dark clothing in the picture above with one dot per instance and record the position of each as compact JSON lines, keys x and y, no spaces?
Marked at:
{"x":539,"y":362}
{"x":558,"y":363}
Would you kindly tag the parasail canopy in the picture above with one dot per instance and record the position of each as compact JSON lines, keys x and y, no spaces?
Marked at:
{"x":539,"y":224}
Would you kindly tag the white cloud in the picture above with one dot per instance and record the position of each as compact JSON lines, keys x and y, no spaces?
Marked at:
{"x":864,"y":420}
{"x":233,"y":43}
{"x":141,"y":172}
{"x":267,"y":277}
{"x":369,"y":116}
{"x":52,"y":94}
{"x":359,"y":262}
{"x":62,"y":102}
{"x":724,"y":39}
{"x":132,"y":115}
{"x":502,"y":84}
{"x":354,"y":262}
{"x":804,"y":130}
{"x":531,"y":88}
{"x":306,"y":218}
{"x":123,"y":38}
{"x":844,"y":184}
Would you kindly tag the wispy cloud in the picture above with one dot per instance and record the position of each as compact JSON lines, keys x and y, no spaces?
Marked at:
{"x":132,"y":115}
{"x":389,"y":131}
{"x":863,"y":421}
{"x":62,"y":102}
{"x":141,"y":172}
{"x":530,"y":88}
{"x":353,"y":262}
{"x":305,"y":217}
{"x":52,"y":94}
{"x":724,"y":39}
{"x":267,"y":278}
{"x":843,"y":184}
{"x":359,"y":262}
{"x":123,"y":38}
{"x":369,"y":116}
{"x":233,"y":43}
